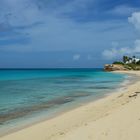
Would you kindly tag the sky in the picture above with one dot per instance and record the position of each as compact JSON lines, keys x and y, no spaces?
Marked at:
{"x":67,"y":33}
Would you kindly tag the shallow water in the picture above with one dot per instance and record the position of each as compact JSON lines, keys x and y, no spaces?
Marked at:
{"x":26,"y":94}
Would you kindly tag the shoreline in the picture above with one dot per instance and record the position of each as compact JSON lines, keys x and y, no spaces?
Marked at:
{"x":28,"y":122}
{"x":58,"y":127}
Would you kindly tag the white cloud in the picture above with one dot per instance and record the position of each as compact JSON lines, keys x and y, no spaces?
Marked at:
{"x":135,"y":19}
{"x":109,"y":54}
{"x":20,"y":12}
{"x":27,"y":12}
{"x":115,"y":51}
{"x":64,"y":34}
{"x":57,"y":32}
{"x":76,"y":57}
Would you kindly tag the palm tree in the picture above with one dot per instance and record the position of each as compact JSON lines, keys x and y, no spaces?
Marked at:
{"x":134,"y":61}
{"x":134,"y":56}
{"x":125,"y":59}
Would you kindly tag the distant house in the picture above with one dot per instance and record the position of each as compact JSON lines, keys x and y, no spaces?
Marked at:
{"x":132,"y":60}
{"x":128,"y":62}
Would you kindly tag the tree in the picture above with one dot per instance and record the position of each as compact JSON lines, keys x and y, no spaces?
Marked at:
{"x":138,"y":62}
{"x":125,"y":59}
{"x":134,"y":61}
{"x":134,"y":56}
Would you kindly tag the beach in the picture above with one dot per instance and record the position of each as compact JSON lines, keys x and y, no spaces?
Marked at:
{"x":116,"y":117}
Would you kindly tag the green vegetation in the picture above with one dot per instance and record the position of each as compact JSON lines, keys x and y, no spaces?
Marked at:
{"x":130,"y":63}
{"x":132,"y":66}
{"x":125,"y":59}
{"x":118,"y":62}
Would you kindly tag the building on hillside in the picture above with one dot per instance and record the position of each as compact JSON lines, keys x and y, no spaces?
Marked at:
{"x":133,"y":60}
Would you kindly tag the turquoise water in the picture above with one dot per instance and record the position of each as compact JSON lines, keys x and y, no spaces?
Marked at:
{"x":27,"y":92}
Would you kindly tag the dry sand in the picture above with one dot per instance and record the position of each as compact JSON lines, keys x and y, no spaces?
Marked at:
{"x":116,"y":117}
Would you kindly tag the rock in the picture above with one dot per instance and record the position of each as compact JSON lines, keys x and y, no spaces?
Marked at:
{"x":114,"y":67}
{"x":137,"y":92}
{"x":133,"y":95}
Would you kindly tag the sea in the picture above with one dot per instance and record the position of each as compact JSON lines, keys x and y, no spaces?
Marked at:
{"x":31,"y":95}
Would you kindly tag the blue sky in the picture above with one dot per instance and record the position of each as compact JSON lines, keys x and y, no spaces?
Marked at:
{"x":67,"y":33}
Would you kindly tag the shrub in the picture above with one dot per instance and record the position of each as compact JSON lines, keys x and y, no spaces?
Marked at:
{"x":118,"y":62}
{"x":138,"y":63}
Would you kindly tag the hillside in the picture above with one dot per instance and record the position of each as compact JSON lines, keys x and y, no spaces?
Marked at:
{"x":128,"y":63}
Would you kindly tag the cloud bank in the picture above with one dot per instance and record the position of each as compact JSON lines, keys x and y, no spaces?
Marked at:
{"x":116,"y":52}
{"x":135,"y":20}
{"x":61,"y":28}
{"x":119,"y":52}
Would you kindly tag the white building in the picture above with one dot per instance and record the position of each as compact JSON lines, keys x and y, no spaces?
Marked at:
{"x":133,"y":60}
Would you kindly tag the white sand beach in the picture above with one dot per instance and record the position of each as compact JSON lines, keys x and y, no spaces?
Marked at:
{"x":115,"y":117}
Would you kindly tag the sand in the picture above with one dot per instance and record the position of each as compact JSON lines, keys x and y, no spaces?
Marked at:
{"x":115,"y":117}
